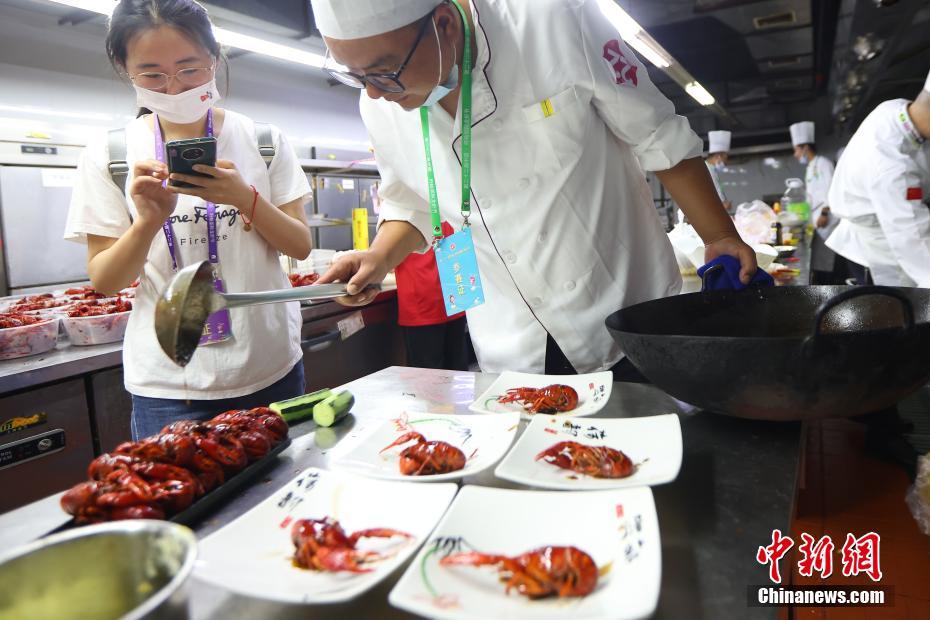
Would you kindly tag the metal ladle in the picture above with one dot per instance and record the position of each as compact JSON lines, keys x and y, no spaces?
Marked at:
{"x":190,"y":297}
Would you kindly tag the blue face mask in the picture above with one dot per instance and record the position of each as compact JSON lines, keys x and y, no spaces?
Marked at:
{"x":442,"y":89}
{"x":720,"y":166}
{"x":804,"y":160}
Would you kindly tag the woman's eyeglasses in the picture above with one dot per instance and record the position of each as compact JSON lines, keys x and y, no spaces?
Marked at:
{"x":154,"y":80}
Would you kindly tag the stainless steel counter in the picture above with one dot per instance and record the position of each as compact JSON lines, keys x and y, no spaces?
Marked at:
{"x":68,"y":361}
{"x":736,"y":484}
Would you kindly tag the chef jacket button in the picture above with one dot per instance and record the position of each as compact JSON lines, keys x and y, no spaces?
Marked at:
{"x":485,"y":203}
{"x":511,"y":258}
{"x":498,"y":124}
{"x":570,"y":285}
{"x":536,"y":302}
{"x":542,"y":237}
{"x":524,"y":183}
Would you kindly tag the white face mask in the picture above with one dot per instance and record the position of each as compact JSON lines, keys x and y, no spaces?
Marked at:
{"x":183,"y":108}
{"x":804,"y":160}
{"x":443,"y":89}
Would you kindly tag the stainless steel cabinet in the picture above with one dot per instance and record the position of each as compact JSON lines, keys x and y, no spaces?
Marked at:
{"x":112,"y":409}
{"x":335,"y":198}
{"x":53,"y":452}
{"x":33,"y":208}
{"x":330,"y":361}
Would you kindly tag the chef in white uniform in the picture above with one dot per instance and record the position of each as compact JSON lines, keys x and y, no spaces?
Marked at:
{"x":880,"y":190}
{"x":718,"y":155}
{"x":565,"y":122}
{"x":817,"y":179}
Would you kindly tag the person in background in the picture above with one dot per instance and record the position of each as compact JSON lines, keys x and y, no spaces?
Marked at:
{"x":168,"y":51}
{"x":565,"y":121}
{"x":817,"y":178}
{"x":718,"y":156}
{"x":880,"y":190}
{"x":433,"y":339}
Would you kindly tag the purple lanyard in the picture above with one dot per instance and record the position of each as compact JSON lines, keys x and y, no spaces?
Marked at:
{"x":213,"y":245}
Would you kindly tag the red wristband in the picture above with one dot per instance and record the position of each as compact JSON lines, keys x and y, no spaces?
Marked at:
{"x":248,"y":220}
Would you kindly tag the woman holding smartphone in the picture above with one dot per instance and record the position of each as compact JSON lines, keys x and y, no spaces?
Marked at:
{"x":239,"y":215}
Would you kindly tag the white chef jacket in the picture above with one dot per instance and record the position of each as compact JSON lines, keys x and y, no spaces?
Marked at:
{"x":566,"y":232}
{"x":878,"y":190}
{"x":817,"y":179}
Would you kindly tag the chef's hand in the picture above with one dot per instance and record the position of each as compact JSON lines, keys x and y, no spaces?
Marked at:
{"x":824,"y":220}
{"x":736,"y":247}
{"x":359,"y":269}
{"x":223,"y":185}
{"x":153,"y":202}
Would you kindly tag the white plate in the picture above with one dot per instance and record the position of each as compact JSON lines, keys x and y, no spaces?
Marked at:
{"x":483,"y":439}
{"x":653,"y":444}
{"x":593,"y":392}
{"x":253,"y":555}
{"x":618,"y":528}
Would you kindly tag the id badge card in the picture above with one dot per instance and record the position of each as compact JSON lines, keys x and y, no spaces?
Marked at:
{"x":219,"y":324}
{"x":458,"y":273}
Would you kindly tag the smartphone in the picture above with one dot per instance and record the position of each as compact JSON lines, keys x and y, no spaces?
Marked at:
{"x":183,"y":155}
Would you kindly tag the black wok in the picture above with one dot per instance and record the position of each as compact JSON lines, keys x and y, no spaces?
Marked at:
{"x":786,"y":353}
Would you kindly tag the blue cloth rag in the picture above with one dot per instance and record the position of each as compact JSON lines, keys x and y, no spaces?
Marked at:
{"x":727,"y":278}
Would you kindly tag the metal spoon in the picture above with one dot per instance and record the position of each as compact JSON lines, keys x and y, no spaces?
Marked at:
{"x":182,"y":310}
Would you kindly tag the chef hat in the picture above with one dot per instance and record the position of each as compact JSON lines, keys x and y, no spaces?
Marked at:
{"x":719,"y":141}
{"x":357,"y":19}
{"x":802,"y":133}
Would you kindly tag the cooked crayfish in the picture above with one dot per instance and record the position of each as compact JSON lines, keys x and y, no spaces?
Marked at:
{"x":322,"y":544}
{"x":427,"y":458}
{"x":547,"y":571}
{"x":596,"y":461}
{"x":162,"y":475}
{"x":556,"y":398}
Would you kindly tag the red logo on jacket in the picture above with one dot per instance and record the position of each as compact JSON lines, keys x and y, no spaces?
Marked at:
{"x":915,"y":193}
{"x":624,"y":70}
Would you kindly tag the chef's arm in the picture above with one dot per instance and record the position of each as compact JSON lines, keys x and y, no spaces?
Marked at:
{"x":692,"y":188}
{"x":395,"y":241}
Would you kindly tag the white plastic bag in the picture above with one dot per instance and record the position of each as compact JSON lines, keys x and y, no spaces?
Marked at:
{"x":688,"y":245}
{"x":754,"y":221}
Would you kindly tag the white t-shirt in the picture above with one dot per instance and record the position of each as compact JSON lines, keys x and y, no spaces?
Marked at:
{"x":266,"y":339}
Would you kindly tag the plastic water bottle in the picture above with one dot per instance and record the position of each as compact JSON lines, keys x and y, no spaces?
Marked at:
{"x":795,"y":200}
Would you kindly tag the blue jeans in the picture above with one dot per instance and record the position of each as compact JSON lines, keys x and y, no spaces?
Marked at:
{"x":150,"y":415}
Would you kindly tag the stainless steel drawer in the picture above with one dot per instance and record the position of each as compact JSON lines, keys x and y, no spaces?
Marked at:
{"x":49,"y":447}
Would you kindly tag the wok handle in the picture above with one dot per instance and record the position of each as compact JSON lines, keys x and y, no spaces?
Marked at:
{"x":860,"y":291}
{"x":713,"y":269}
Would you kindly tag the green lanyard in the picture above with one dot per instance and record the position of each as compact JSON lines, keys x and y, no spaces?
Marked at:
{"x":466,"y":140}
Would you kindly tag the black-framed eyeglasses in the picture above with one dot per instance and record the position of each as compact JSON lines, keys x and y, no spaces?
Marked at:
{"x":387,"y":82}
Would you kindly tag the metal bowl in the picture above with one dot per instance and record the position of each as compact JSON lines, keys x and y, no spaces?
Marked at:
{"x":126,"y":569}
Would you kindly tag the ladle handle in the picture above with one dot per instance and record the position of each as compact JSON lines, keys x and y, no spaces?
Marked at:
{"x":860,"y":291}
{"x":299,"y":293}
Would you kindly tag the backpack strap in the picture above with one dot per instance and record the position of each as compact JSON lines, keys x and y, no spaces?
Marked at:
{"x":118,"y":166}
{"x":265,"y":139}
